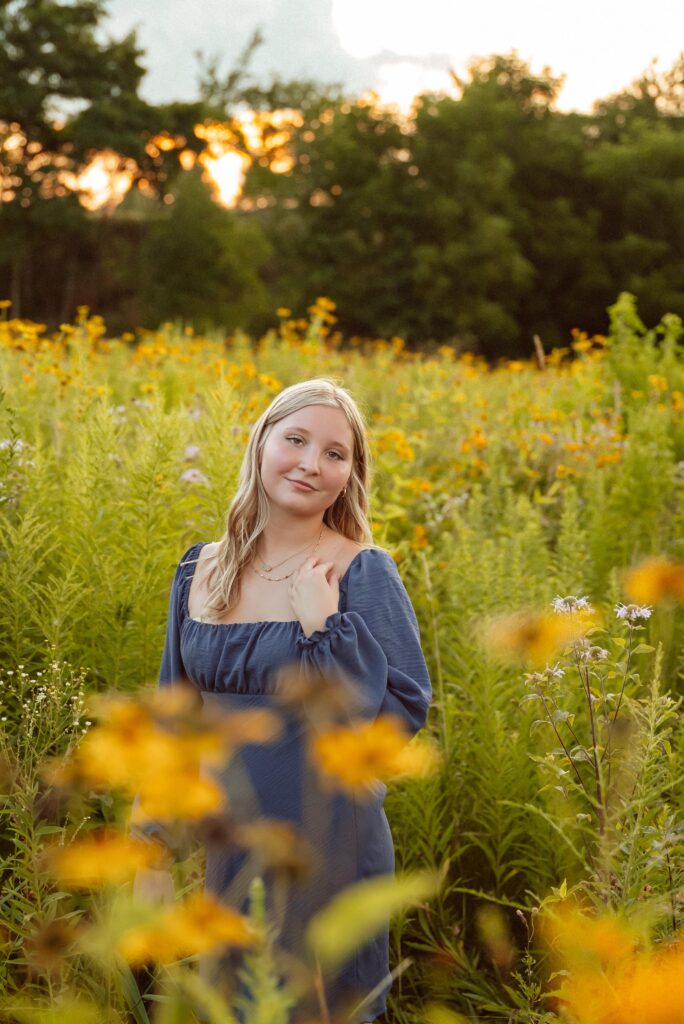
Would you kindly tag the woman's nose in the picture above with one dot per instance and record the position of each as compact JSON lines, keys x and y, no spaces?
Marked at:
{"x":309,"y":461}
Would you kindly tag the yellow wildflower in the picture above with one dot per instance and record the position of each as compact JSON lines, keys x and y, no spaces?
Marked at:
{"x":199,"y":924}
{"x":535,"y":637}
{"x":103,"y":858}
{"x":583,"y":940}
{"x":419,"y":539}
{"x":655,"y":581}
{"x":178,"y":793}
{"x":610,"y":976}
{"x":354,"y":757}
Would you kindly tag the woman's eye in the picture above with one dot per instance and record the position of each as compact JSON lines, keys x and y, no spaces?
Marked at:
{"x":293,"y":437}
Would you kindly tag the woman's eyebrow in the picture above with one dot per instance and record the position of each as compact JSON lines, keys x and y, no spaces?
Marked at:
{"x":336,"y":444}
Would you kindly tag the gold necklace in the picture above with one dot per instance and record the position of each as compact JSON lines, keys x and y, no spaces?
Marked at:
{"x":270,"y":568}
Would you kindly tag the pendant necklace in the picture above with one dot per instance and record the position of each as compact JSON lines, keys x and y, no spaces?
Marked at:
{"x":270,"y":568}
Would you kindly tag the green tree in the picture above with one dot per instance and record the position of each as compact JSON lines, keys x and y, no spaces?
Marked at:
{"x":639,"y":185}
{"x":653,"y":96}
{"x":201,"y":263}
{"x":62,"y":93}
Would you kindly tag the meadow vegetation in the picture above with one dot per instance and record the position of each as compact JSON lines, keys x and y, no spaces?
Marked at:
{"x":534,"y":508}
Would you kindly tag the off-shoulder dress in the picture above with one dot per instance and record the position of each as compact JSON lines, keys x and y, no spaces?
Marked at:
{"x":373,"y":640}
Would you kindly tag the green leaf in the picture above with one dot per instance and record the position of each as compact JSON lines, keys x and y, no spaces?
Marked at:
{"x":643,"y":649}
{"x":361,"y":911}
{"x":619,"y":641}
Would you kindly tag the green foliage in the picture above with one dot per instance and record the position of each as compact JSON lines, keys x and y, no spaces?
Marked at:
{"x":201,"y":263}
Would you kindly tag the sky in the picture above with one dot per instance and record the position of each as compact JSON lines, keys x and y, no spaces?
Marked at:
{"x":402,"y":47}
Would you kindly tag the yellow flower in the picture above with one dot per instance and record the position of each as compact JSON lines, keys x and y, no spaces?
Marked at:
{"x":583,"y":940}
{"x":199,"y":924}
{"x":283,"y":311}
{"x":162,"y":765}
{"x":103,"y":858}
{"x":419,"y":539}
{"x":610,"y":976}
{"x":355,"y":757}
{"x":655,"y":581}
{"x":535,"y":637}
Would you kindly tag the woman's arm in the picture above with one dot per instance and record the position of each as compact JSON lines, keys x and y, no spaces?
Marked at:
{"x":376,"y":642}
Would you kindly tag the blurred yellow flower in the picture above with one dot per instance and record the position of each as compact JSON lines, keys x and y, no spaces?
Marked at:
{"x":535,"y":637}
{"x":178,"y":793}
{"x":103,"y":858}
{"x":583,"y":940}
{"x":419,"y":539}
{"x":357,"y":756}
{"x":163,"y":764}
{"x":610,"y":975}
{"x":655,"y":580}
{"x":199,"y":924}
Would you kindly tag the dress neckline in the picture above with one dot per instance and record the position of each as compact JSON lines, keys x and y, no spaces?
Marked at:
{"x":259,"y":622}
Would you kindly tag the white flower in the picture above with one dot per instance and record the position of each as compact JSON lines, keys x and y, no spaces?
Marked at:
{"x":590,"y":652}
{"x":17,"y":445}
{"x":193,"y":476}
{"x":565,"y":605}
{"x":632,"y":612}
{"x":191,"y":452}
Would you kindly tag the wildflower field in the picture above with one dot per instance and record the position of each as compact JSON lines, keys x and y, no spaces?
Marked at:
{"x":535,"y":511}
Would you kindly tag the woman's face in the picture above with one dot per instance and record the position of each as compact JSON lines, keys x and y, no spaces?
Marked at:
{"x":314,"y":445}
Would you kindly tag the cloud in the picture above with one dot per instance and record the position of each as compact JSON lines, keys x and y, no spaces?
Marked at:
{"x":602,"y":46}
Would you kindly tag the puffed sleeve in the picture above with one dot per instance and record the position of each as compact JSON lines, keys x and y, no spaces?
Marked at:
{"x":171,"y":671}
{"x":375,"y":642}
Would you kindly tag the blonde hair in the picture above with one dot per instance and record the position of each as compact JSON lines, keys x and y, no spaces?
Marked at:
{"x":248,"y":511}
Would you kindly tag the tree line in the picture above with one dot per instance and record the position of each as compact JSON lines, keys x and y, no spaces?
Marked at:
{"x":485,"y":217}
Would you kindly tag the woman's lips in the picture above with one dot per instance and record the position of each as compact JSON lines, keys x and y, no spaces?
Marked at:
{"x":301,"y":485}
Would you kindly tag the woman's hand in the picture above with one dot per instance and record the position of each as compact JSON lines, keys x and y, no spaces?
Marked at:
{"x":314,"y":593}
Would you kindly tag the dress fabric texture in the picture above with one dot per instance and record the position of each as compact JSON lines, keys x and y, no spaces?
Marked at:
{"x":371,"y":643}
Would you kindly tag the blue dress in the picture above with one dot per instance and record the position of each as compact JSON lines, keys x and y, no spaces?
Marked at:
{"x":372,"y":642}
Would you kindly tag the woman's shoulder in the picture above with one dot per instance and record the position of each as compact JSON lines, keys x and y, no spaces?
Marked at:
{"x":368,"y":562}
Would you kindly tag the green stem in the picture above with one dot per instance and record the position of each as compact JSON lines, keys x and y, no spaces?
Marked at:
{"x":560,"y":740}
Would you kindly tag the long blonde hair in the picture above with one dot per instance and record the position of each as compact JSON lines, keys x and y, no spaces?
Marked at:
{"x":248,"y":511}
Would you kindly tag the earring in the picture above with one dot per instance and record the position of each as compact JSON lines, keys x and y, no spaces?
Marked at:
{"x":344,"y":491}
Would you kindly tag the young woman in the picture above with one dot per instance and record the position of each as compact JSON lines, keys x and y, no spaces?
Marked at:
{"x":296,"y":581}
